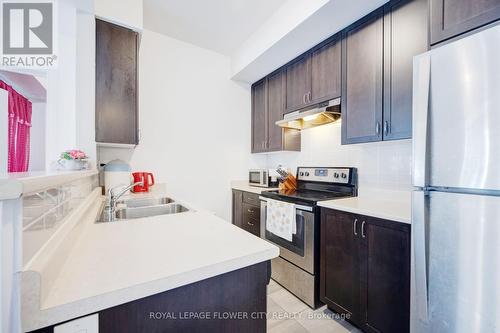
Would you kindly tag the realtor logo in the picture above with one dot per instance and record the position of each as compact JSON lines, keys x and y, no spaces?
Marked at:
{"x":27,"y":28}
{"x":28,"y":34}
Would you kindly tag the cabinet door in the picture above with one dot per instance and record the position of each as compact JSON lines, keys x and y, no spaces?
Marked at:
{"x":116,"y":84}
{"x":451,"y":18}
{"x":326,"y":72}
{"x":275,"y":108}
{"x":237,"y":208}
{"x":385,"y":276}
{"x":405,"y":30}
{"x":362,"y":84}
{"x":298,"y":83}
{"x":339,"y":271}
{"x":259,"y":117}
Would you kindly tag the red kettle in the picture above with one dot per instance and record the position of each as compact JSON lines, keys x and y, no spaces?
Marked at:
{"x":143,"y":177}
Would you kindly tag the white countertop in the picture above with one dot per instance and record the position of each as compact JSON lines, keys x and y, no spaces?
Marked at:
{"x":113,"y":263}
{"x":394,"y":205}
{"x":242,"y":185}
{"x":13,"y":185}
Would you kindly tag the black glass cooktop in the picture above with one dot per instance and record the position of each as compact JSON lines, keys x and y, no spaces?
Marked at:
{"x":309,"y":196}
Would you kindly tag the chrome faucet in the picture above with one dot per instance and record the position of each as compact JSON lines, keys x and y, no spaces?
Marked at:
{"x":110,"y":208}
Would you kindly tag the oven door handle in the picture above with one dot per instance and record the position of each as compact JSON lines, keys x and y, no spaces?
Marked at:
{"x":300,"y":207}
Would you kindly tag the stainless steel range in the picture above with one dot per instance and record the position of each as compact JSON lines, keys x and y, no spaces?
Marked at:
{"x":297,"y":267}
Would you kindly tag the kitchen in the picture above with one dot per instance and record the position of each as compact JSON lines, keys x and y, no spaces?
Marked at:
{"x":376,"y":124}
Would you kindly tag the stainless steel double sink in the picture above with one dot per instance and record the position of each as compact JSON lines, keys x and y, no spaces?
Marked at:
{"x":138,"y":208}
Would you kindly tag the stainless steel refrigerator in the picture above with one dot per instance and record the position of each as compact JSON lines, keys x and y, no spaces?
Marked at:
{"x":456,"y":175}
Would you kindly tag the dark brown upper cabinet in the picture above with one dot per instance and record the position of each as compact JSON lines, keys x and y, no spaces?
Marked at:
{"x":365,"y":270}
{"x":259,"y":117}
{"x":268,"y":104}
{"x":298,"y":83}
{"x":314,"y":77}
{"x":450,"y":18}
{"x":326,"y":69}
{"x":405,"y":35}
{"x":362,"y":80}
{"x":275,"y":107}
{"x":377,"y":71}
{"x":116,"y":84}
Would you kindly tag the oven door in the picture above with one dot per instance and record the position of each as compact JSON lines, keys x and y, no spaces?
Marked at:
{"x":300,"y":251}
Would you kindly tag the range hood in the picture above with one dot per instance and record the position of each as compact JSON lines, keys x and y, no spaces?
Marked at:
{"x":321,"y":114}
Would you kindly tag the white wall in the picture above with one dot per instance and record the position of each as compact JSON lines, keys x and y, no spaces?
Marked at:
{"x":37,"y":137}
{"x":195,"y":122}
{"x":4,"y":130}
{"x":85,"y":84}
{"x":61,"y":87}
{"x":380,"y":164}
{"x":70,"y":96}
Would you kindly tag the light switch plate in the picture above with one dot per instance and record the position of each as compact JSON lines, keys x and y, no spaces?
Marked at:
{"x":89,"y":324}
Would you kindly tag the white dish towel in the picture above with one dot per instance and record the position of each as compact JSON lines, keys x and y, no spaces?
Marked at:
{"x":281,"y":219}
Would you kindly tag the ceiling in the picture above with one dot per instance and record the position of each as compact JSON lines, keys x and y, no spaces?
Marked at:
{"x":218,"y":25}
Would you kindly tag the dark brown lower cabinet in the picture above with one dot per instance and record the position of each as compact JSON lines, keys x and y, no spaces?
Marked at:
{"x":238,"y":293}
{"x":237,"y":214}
{"x":246,"y":211}
{"x":365,"y":270}
{"x":339,"y":273}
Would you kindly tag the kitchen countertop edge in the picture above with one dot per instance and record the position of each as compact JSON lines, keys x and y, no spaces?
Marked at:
{"x":242,"y":185}
{"x":384,"y":204}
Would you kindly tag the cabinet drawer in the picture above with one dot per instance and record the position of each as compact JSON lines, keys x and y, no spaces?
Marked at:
{"x":252,"y":226}
{"x":251,"y":212}
{"x":251,"y":219}
{"x":251,"y":198}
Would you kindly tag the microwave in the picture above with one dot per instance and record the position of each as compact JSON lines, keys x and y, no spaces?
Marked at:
{"x":263,"y":177}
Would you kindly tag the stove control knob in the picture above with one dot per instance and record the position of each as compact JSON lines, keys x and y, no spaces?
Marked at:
{"x":307,"y":174}
{"x":301,"y":173}
{"x":344,"y":175}
{"x":336,"y":175}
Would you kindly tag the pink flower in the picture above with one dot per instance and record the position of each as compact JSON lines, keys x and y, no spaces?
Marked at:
{"x":77,"y":154}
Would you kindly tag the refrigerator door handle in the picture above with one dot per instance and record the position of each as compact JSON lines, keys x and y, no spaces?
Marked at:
{"x":421,"y":88}
{"x":419,"y":255}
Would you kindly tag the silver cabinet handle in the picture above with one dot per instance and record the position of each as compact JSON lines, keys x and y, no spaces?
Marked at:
{"x":251,"y":224}
{"x":309,"y":97}
{"x":355,"y":227}
{"x":377,"y":128}
{"x":250,"y":210}
{"x":363,"y":229}
{"x":386,"y":127}
{"x":304,"y":99}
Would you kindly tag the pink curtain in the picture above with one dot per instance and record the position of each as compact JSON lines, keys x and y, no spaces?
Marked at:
{"x":19,"y":130}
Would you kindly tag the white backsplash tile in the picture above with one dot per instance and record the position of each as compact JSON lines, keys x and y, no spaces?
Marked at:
{"x":380,"y":164}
